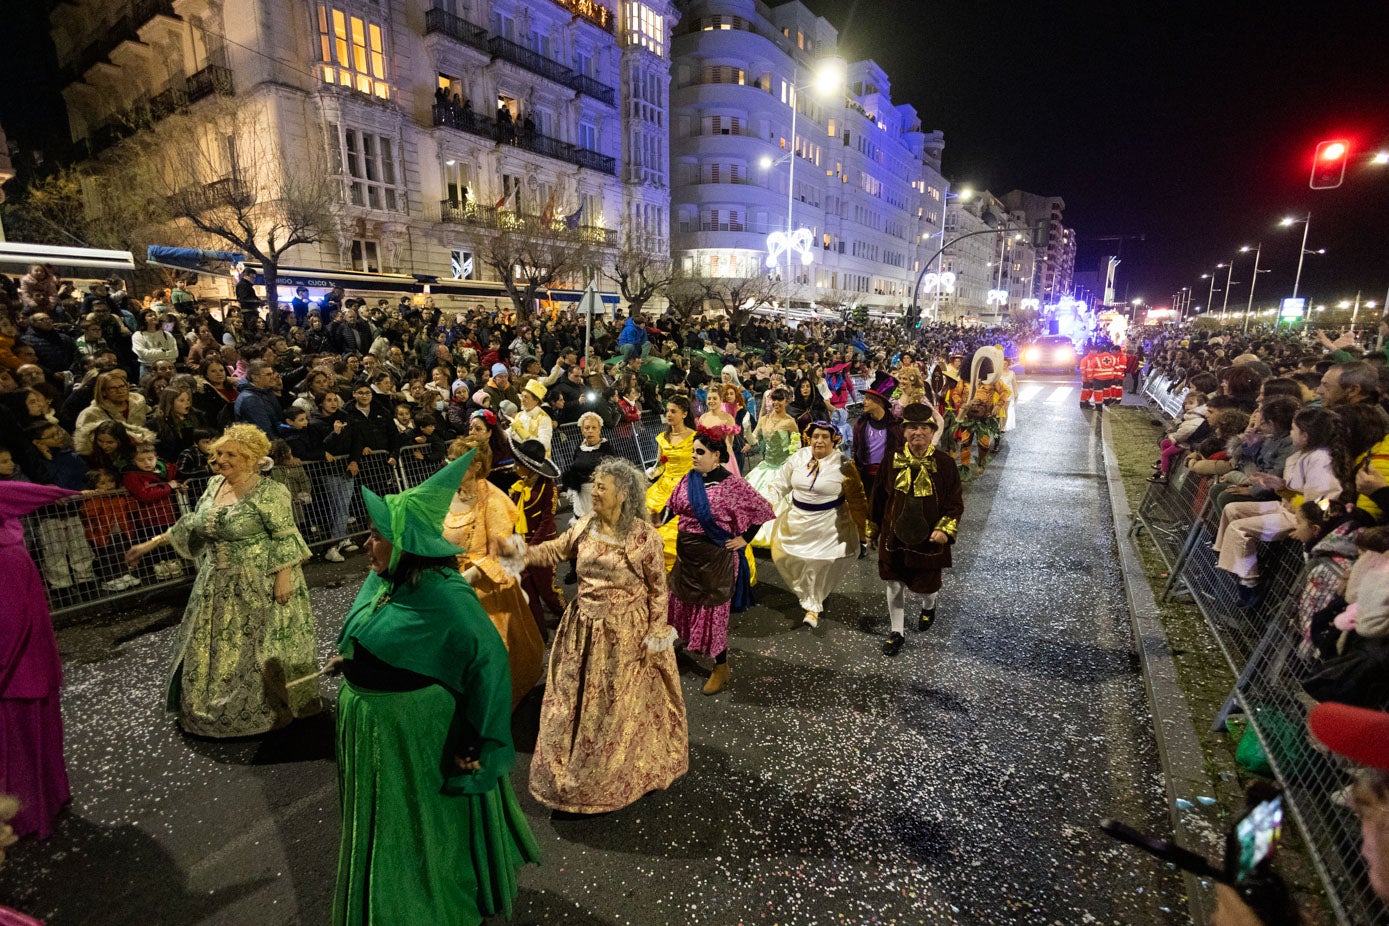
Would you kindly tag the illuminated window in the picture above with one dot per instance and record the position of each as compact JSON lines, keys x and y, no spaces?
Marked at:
{"x":352,"y":52}
{"x":372,"y":178}
{"x":645,"y":28}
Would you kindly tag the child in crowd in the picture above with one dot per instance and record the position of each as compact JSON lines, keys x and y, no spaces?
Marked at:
{"x":289,"y":472}
{"x":65,"y":556}
{"x":196,"y":461}
{"x":9,"y":470}
{"x":424,"y":439}
{"x":109,"y":527}
{"x":153,"y":483}
{"x":1192,"y":429}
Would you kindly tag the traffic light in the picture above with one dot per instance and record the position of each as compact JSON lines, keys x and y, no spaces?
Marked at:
{"x":1329,"y":164}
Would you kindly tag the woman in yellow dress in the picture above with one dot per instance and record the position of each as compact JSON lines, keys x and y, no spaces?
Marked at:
{"x":482,"y":521}
{"x":676,"y":445}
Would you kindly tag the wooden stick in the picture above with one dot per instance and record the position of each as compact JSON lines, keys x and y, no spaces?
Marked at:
{"x":307,"y":678}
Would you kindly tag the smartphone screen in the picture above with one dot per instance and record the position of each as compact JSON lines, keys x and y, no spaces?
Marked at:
{"x":1254,"y":839}
{"x":167,"y":326}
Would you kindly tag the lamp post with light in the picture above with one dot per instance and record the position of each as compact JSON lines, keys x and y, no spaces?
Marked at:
{"x":828,"y":79}
{"x":1249,"y":308}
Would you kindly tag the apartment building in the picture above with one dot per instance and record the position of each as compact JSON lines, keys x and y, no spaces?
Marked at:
{"x":441,"y":119}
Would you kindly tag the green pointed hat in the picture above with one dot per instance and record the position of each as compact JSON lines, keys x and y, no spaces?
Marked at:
{"x":413,"y":520}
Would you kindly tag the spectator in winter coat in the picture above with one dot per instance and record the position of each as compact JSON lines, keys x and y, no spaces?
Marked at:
{"x":633,"y":338}
{"x":55,"y":351}
{"x":112,"y":400}
{"x":350,"y":334}
{"x":259,"y":402}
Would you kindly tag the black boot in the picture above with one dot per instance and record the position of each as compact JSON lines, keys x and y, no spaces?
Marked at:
{"x":893,"y":644}
{"x":928,"y":616}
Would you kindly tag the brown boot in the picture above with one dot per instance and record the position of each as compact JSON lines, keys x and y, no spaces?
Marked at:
{"x":717,"y":679}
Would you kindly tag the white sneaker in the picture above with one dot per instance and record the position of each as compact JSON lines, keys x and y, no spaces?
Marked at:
{"x":174,"y":568}
{"x":131,"y":581}
{"x":347,"y":546}
{"x":115,"y":585}
{"x":161,"y":570}
{"x":333,"y":556}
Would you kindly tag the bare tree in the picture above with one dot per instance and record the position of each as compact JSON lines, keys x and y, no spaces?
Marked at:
{"x":641,"y":272}
{"x":213,"y":177}
{"x":685,"y":297}
{"x":739,"y":297}
{"x":529,"y":256}
{"x":71,"y":207}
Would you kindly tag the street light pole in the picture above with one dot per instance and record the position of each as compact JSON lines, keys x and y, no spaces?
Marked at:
{"x":1210,"y":297}
{"x":791,"y":186}
{"x":1301,"y":252}
{"x":1249,"y":309}
{"x":1225,"y":303}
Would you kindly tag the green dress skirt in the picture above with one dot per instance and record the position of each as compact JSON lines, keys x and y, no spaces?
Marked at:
{"x":465,"y":848}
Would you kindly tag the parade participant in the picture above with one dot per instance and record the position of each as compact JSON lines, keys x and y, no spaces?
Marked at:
{"x":248,"y":628}
{"x":532,"y":422}
{"x":916,"y":505}
{"x":674,"y":446}
{"x":819,"y":534}
{"x":1109,"y":374}
{"x":874,"y":431}
{"x":31,"y":720}
{"x":976,"y":428}
{"x":481,"y":520}
{"x":1009,"y":379}
{"x":431,"y":829}
{"x":612,"y":725}
{"x":720,"y":423}
{"x":778,"y":436}
{"x":577,"y":480}
{"x":536,"y":498}
{"x":718,"y":515}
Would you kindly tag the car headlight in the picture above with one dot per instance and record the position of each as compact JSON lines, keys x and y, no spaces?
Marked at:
{"x":1030,"y":355}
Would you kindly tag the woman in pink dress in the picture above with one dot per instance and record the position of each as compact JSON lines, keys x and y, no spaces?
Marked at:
{"x":31,"y":722}
{"x":719,"y":514}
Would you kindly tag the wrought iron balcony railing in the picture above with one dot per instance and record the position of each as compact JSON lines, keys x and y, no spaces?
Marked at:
{"x":463,"y":120}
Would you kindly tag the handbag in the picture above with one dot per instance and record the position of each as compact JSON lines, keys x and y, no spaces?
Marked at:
{"x":1358,"y":677}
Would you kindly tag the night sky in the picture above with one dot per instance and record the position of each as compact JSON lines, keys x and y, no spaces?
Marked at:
{"x":1190,"y":124}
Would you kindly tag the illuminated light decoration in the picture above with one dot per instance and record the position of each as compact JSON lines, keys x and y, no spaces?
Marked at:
{"x":599,"y":15}
{"x":997,"y":297}
{"x":943,"y":283}
{"x":1293,"y":308}
{"x":1030,"y":304}
{"x":798,"y":242}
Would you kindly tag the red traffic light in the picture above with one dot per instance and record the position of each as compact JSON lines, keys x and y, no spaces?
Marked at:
{"x":1329,"y":164}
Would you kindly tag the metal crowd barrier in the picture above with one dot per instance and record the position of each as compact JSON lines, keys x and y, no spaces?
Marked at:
{"x":80,"y":544}
{"x":1159,"y":390}
{"x":1264,"y":648}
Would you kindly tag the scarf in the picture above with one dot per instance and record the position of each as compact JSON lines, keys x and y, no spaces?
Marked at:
{"x":912,"y":475}
{"x":699,"y":502}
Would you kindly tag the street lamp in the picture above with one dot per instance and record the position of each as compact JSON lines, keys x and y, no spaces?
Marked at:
{"x":827,"y":79}
{"x":963,"y":196}
{"x":1306,"y":221}
{"x":1210,"y":297}
{"x":1225,"y":303}
{"x":1258,"y":249}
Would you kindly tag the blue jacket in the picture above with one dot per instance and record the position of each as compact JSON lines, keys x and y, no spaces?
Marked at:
{"x":632,"y":333}
{"x":259,"y":407}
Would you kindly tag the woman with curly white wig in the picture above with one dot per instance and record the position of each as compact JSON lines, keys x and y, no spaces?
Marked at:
{"x":248,"y":628}
{"x":612,"y":725}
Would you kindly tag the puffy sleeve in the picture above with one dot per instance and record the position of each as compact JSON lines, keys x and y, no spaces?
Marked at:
{"x":186,"y":539}
{"x":855,"y":500}
{"x":286,"y":546}
{"x":553,"y":552}
{"x":486,"y":712}
{"x":648,"y":557}
{"x":499,"y":526}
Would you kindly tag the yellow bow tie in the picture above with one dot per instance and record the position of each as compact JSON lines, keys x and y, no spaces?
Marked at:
{"x":521,"y":493}
{"x":912,"y":476}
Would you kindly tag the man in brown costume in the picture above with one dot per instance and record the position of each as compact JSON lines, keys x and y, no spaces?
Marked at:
{"x":916,"y":505}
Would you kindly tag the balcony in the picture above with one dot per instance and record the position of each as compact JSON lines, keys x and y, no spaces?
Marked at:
{"x":125,"y":28}
{"x":482,"y":216}
{"x":456,"y":27}
{"x":532,"y":61}
{"x":229,"y":192}
{"x":488,"y":128}
{"x":590,"y":87}
{"x":212,"y":79}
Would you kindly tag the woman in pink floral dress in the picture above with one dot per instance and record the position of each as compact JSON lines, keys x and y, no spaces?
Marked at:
{"x":612,"y":725}
{"x":719,"y":515}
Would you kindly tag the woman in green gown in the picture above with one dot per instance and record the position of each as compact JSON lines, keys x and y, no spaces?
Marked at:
{"x":248,"y":627}
{"x":431,"y":829}
{"x":779,"y":437}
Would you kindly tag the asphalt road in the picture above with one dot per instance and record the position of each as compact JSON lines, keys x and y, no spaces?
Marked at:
{"x":957,"y":783}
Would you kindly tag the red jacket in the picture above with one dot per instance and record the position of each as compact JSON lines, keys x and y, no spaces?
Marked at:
{"x":155,"y":506}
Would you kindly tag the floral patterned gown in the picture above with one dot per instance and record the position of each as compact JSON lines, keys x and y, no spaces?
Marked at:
{"x":237,"y":648}
{"x":612,"y":725}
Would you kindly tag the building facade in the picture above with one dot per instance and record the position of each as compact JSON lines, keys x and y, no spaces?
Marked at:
{"x":1055,"y":270}
{"x":857,"y":172}
{"x":442,"y":120}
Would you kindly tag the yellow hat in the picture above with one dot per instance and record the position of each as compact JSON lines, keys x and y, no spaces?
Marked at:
{"x":536,"y":388}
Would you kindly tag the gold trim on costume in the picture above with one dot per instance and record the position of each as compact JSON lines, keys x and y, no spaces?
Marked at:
{"x":948,"y":526}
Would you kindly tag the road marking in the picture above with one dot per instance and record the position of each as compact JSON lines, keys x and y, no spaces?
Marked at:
{"x":1028,"y":393}
{"x":1059,"y":394}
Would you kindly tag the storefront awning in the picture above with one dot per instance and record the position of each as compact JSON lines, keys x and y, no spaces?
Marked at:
{"x":68,"y":263}
{"x":193,"y":260}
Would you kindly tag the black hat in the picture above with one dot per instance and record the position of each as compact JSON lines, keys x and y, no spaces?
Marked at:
{"x":917,"y":413}
{"x":531,"y":455}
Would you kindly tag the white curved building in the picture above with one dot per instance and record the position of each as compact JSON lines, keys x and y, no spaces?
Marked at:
{"x":867,"y":181}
